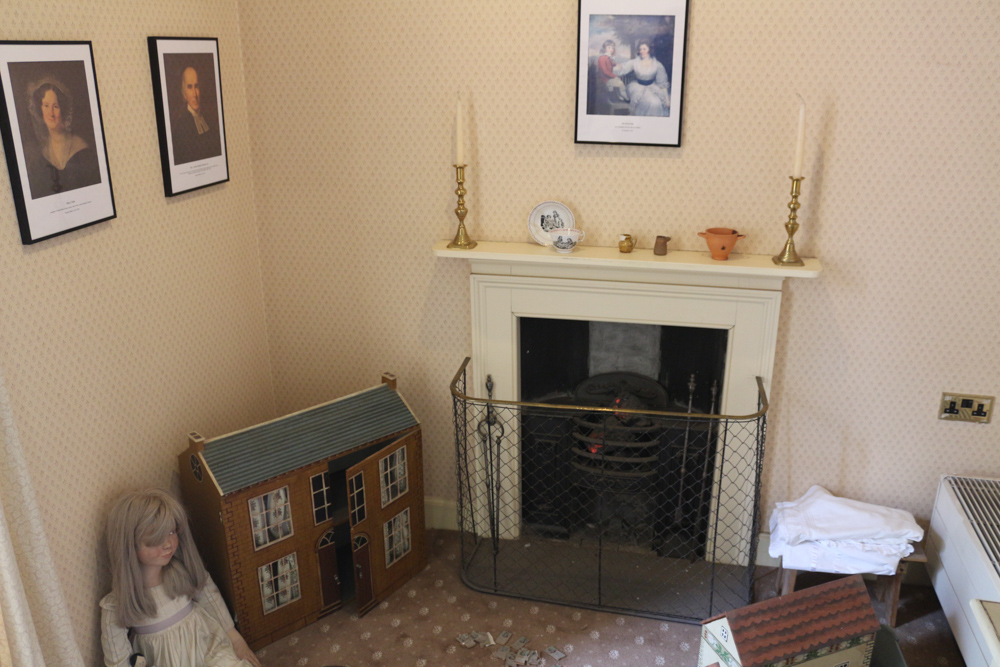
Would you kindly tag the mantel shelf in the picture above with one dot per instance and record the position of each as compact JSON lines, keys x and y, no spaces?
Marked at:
{"x":531,"y":257}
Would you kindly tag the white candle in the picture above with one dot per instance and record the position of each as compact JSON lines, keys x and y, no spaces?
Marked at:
{"x":800,"y":143}
{"x":459,"y":133}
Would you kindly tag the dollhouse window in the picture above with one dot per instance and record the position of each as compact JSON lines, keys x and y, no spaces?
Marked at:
{"x":270,"y":518}
{"x":327,"y":539}
{"x":392,"y":472}
{"x":279,"y":583}
{"x":356,"y":497}
{"x":397,"y":537}
{"x":322,"y":497}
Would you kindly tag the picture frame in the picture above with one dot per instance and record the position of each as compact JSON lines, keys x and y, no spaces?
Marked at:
{"x":630,"y":71}
{"x":53,"y":138}
{"x":187,"y":95}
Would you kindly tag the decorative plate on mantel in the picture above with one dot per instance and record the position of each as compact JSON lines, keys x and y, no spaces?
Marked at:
{"x":547,"y":216}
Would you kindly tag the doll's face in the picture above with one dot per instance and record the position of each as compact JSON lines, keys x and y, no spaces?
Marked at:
{"x":158,"y":555}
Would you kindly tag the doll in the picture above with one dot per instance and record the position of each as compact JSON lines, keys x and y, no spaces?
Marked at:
{"x":163,"y":605}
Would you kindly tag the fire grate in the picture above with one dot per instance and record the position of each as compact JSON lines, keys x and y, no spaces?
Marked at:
{"x":640,"y":511}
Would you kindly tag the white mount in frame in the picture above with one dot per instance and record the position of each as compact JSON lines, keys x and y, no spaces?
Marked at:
{"x":630,"y":71}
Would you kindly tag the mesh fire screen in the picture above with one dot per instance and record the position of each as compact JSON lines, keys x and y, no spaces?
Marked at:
{"x":645,"y":512}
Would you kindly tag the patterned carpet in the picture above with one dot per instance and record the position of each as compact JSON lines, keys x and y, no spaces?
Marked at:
{"x":418,"y":626}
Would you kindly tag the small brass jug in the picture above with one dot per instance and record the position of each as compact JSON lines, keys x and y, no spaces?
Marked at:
{"x":625,"y":243}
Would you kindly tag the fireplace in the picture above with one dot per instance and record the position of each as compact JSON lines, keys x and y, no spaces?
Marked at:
{"x":652,"y":508}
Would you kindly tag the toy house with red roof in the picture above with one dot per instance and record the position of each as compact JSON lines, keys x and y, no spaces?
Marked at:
{"x":832,"y":625}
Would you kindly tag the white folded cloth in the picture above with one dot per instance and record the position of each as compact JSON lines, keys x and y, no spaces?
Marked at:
{"x":823,"y":533}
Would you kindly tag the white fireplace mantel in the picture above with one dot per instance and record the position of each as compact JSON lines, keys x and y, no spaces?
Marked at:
{"x":677,"y":267}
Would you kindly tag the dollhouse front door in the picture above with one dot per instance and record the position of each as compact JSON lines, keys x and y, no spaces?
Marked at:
{"x":363,"y":575}
{"x":329,"y":581}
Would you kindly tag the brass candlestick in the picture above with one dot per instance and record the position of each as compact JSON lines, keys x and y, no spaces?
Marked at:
{"x":788,"y":256}
{"x":462,"y":240}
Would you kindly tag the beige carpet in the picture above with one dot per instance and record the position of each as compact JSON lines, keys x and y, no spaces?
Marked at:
{"x":418,"y":625}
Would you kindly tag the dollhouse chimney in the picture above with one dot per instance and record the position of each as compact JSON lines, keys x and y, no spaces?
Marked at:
{"x":389,"y":379}
{"x":196,"y":442}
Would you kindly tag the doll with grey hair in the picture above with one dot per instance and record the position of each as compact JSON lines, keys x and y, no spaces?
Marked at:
{"x":161,"y":595}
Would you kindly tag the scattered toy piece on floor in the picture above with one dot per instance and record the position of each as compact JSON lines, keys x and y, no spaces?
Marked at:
{"x":483,"y":638}
{"x":555,"y":653}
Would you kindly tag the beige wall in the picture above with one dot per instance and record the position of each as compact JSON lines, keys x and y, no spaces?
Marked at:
{"x":119,"y":339}
{"x":351,"y":114}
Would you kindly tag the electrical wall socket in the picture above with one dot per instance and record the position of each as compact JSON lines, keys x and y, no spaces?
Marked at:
{"x":966,"y":408}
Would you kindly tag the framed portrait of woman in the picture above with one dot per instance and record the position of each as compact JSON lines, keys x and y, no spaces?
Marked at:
{"x":630,"y":71}
{"x":53,"y":137}
{"x":187,"y":93}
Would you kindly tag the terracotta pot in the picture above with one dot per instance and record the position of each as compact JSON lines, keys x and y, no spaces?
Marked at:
{"x":721,"y":241}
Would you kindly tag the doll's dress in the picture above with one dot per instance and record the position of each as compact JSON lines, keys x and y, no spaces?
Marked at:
{"x":184,"y":633}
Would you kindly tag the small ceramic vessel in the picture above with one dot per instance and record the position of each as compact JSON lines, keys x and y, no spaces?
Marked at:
{"x":565,"y":239}
{"x":660,"y":247}
{"x":721,"y":241}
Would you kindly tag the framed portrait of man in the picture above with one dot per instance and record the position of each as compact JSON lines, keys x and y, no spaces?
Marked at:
{"x":187,"y":92}
{"x":630,"y":71}
{"x":53,"y":138}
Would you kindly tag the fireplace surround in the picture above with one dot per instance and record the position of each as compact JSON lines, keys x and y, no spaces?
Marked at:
{"x":511,"y":282}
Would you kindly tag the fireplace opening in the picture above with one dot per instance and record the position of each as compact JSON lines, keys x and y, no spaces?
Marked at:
{"x":616,"y":478}
{"x":557,"y":355}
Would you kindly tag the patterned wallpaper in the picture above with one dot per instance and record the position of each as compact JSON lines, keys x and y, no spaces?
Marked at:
{"x":311,"y":272}
{"x":352,"y":116}
{"x":119,"y":339}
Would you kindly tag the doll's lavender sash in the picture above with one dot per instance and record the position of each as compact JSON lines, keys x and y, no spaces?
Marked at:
{"x":160,"y":626}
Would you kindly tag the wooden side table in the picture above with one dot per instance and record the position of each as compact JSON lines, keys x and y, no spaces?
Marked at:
{"x":886,"y":585}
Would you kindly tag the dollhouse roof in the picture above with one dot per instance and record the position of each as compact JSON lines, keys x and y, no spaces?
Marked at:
{"x":807,"y":620}
{"x":246,"y":457}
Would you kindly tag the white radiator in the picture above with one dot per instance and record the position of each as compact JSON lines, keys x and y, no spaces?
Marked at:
{"x":963,"y":558}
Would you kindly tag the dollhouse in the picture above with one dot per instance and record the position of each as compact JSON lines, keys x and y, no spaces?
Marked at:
{"x":296,"y":515}
{"x":831,"y":625}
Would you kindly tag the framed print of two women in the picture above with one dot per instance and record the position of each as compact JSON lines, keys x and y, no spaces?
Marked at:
{"x":630,"y":71}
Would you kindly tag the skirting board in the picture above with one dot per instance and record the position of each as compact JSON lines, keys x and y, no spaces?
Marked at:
{"x":441,"y":513}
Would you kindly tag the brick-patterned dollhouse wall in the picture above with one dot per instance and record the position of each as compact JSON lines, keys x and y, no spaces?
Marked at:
{"x":391,"y":578}
{"x":257,"y":627}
